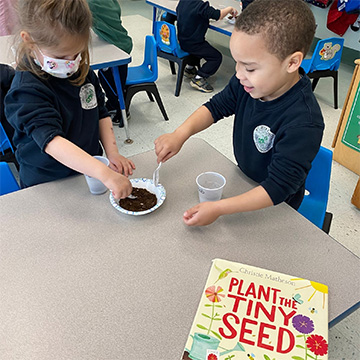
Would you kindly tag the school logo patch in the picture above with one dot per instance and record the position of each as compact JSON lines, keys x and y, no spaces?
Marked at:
{"x":88,"y":97}
{"x":263,"y":138}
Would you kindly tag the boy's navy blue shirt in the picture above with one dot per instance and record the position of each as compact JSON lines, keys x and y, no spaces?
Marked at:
{"x":274,"y":141}
{"x":40,"y":109}
{"x":193,"y":21}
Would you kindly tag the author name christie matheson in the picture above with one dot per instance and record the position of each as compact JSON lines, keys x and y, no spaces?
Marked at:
{"x":266,"y":276}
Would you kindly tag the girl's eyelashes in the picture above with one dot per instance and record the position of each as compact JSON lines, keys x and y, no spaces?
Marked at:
{"x":249,"y":70}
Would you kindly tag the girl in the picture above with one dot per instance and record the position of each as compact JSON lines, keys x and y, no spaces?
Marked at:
{"x":55,"y":102}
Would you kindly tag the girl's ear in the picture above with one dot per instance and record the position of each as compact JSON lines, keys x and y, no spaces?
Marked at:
{"x":27,"y":39}
{"x":294,"y":61}
{"x":25,"y":36}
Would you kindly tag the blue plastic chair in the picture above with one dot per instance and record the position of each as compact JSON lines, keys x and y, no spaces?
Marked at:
{"x":317,"y":184}
{"x":143,"y":77}
{"x":8,"y":182}
{"x":4,"y":141}
{"x":168,"y":48}
{"x":325,"y":62}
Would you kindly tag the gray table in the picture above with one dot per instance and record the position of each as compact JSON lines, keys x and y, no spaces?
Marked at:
{"x":79,"y":280}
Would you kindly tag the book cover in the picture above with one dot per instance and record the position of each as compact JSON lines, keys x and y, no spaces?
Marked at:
{"x":250,"y":313}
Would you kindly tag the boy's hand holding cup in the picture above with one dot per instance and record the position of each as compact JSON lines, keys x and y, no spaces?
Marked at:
{"x":210,"y":187}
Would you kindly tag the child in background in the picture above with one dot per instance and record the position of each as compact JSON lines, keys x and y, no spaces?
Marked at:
{"x":192,"y":22}
{"x":55,"y":102}
{"x":278,"y":124}
{"x":107,"y":25}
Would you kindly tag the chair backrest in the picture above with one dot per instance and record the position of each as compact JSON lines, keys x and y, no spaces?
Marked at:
{"x":4,"y":141}
{"x":327,"y":54}
{"x":317,"y":185}
{"x":8,"y":182}
{"x":166,"y":39}
{"x":150,"y":57}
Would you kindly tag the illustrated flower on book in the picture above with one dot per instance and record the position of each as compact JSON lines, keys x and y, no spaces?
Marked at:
{"x":315,"y":343}
{"x":303,"y":324}
{"x":212,"y":357}
{"x":213,"y":294}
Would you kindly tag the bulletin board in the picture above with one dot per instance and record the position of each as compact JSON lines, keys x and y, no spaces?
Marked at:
{"x":346,"y":141}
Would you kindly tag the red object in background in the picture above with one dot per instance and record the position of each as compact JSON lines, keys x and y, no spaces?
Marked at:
{"x":339,"y":21}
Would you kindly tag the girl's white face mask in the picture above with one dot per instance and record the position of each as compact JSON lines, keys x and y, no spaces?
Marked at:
{"x":59,"y":68}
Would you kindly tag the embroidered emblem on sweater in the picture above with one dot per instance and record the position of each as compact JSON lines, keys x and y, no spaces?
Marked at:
{"x":88,"y":97}
{"x":263,"y":138}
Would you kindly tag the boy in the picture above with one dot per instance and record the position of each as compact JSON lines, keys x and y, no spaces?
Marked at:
{"x":278,"y":124}
{"x":192,"y":22}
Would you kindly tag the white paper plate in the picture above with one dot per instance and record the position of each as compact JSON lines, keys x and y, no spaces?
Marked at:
{"x":142,"y":183}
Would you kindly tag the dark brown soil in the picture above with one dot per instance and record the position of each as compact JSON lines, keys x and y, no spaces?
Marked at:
{"x":144,"y":200}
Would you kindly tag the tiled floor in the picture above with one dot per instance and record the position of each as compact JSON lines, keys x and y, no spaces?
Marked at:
{"x":147,"y":123}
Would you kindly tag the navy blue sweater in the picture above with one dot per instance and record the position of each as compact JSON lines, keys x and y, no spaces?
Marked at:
{"x":274,"y":141}
{"x":193,"y":21}
{"x":40,"y":109}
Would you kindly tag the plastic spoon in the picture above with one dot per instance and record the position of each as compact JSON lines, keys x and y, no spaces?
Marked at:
{"x":156,"y":175}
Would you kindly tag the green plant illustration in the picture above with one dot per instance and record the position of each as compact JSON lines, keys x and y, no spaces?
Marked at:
{"x":213,"y":294}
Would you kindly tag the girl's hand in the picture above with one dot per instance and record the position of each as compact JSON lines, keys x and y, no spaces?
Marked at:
{"x":167,"y":145}
{"x":121,"y":164}
{"x":119,"y":185}
{"x":202,"y":214}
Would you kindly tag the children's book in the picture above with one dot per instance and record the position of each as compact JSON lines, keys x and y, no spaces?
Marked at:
{"x":250,"y":313}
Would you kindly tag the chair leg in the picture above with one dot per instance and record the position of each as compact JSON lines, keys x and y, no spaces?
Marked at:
{"x":327,"y":222}
{"x":314,"y":83}
{"x":172,"y":67}
{"x":150,"y":96}
{"x":159,"y":102}
{"x":180,"y":77}
{"x":130,"y":92}
{"x":335,"y":90}
{"x":150,"y":89}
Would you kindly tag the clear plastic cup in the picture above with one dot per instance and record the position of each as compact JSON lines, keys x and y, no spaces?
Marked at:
{"x":210,"y":185}
{"x":96,"y":187}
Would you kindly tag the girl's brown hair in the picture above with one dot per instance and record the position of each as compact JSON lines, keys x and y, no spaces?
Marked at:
{"x":47,"y":21}
{"x":286,"y":25}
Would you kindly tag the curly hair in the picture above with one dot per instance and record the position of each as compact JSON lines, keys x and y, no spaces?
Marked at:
{"x":47,"y":21}
{"x":286,"y":25}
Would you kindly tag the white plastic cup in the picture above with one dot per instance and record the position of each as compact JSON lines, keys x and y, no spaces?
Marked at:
{"x":96,"y":187}
{"x":210,"y":185}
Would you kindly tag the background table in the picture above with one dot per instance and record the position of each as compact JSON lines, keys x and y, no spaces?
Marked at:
{"x":222,"y":26}
{"x":102,"y":55}
{"x":79,"y":280}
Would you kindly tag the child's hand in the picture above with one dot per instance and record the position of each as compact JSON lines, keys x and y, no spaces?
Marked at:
{"x":202,"y":214}
{"x":121,"y":164}
{"x":167,"y":145}
{"x":119,"y":185}
{"x":228,"y":10}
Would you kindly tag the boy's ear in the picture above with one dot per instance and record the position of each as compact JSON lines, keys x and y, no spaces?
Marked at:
{"x":294,"y":61}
